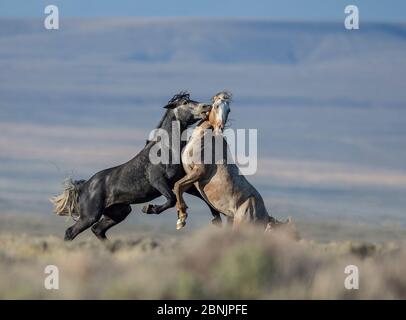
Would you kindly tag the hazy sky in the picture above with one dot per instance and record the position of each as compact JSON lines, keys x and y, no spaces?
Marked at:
{"x":376,"y":10}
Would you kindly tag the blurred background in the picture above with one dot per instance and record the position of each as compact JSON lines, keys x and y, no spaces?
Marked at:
{"x":329,"y":103}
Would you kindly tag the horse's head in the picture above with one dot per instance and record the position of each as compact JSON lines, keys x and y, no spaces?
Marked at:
{"x":187,"y":111}
{"x":219,"y":112}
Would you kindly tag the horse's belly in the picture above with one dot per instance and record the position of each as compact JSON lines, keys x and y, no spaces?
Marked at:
{"x":220,"y":194}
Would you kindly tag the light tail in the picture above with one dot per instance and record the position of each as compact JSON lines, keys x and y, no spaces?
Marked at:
{"x":67,"y":203}
{"x":272,"y":223}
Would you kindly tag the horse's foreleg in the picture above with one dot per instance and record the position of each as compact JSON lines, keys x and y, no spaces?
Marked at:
{"x":180,"y":187}
{"x":160,"y":184}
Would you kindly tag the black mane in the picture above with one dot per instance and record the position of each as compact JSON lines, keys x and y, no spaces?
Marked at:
{"x":181,"y":96}
{"x":177,"y":98}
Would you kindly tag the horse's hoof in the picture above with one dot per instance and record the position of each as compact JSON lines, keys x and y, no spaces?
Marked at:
{"x":180,"y":224}
{"x":269,"y":227}
{"x":217,"y":222}
{"x":147,"y":208}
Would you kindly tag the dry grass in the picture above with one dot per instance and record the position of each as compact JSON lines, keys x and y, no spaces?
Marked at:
{"x":208,"y":263}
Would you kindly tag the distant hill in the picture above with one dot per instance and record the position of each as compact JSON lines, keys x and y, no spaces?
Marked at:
{"x":230,"y":41}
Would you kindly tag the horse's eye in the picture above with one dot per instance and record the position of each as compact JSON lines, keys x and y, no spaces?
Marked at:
{"x":184,"y":102}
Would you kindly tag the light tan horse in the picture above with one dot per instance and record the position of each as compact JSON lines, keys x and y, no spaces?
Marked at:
{"x":219,"y":182}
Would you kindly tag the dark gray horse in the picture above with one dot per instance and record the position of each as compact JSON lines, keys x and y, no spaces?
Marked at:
{"x":110,"y":192}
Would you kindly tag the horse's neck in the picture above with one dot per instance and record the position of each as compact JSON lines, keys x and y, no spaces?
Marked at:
{"x":167,"y":124}
{"x":203,"y":131}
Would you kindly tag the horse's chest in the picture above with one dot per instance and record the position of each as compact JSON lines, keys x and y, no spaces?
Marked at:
{"x":191,"y":154}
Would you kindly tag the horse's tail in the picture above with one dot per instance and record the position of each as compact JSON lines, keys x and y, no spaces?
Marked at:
{"x":67,"y":203}
{"x":287,"y":225}
{"x":273,"y":222}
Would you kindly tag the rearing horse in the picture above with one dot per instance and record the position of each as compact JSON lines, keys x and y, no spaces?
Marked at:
{"x":220,"y":183}
{"x":104,"y":200}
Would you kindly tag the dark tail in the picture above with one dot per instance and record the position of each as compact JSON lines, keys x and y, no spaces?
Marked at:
{"x":66,"y":204}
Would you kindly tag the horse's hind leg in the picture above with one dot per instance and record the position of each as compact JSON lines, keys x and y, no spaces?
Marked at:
{"x":216,"y":214}
{"x":111,"y":216}
{"x":89,"y":215}
{"x":81,"y":225}
{"x":245,"y":214}
{"x":230,"y":221}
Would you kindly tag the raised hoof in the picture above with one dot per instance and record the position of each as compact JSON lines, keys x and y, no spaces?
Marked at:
{"x":148,"y":209}
{"x":180,"y":224}
{"x":101,"y":237}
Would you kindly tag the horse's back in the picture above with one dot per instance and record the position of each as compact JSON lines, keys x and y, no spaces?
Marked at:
{"x":126,"y":183}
